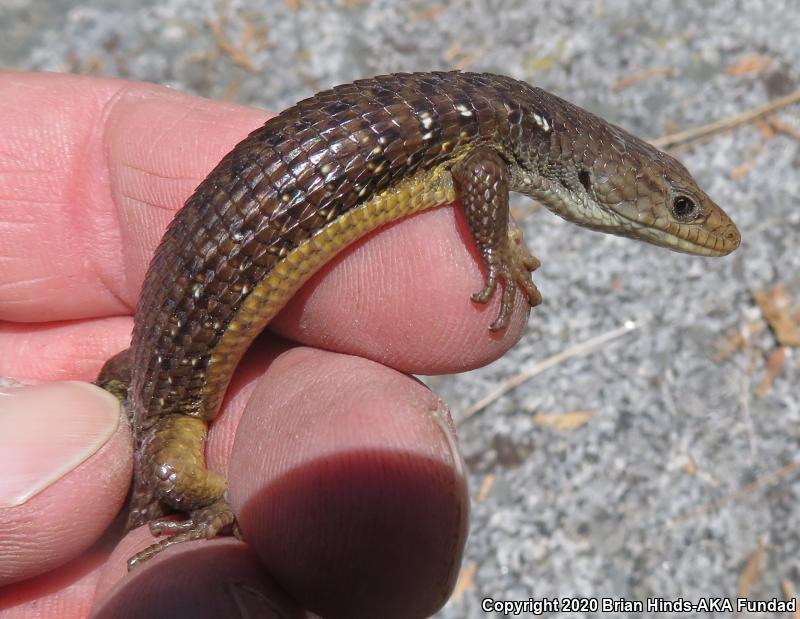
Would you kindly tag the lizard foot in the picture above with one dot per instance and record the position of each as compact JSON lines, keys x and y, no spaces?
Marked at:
{"x":203,"y":523}
{"x":514,"y":265}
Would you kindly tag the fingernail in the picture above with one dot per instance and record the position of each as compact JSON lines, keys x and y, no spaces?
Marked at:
{"x":48,"y":430}
{"x":443,"y":419}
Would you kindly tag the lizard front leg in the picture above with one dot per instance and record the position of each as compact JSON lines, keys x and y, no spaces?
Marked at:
{"x":482,"y":179}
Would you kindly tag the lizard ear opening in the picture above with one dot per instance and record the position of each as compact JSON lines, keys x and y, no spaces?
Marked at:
{"x":585,"y":178}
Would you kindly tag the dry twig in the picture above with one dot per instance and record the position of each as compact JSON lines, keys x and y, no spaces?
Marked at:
{"x":626,"y":82}
{"x":769,"y":478}
{"x":540,"y":366}
{"x":724,"y":124}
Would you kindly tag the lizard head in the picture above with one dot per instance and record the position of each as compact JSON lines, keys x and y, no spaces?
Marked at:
{"x":610,"y":180}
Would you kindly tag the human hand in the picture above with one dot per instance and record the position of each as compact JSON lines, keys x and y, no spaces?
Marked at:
{"x":344,"y":471}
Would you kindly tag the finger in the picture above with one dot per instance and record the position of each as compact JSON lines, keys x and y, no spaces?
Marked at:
{"x":73,"y":350}
{"x":92,"y":171}
{"x":219,"y":579}
{"x":402,"y":297}
{"x":347,"y":483}
{"x":66,"y":592}
{"x":66,"y":465}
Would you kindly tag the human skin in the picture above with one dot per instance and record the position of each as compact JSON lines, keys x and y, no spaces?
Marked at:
{"x":343,"y":470}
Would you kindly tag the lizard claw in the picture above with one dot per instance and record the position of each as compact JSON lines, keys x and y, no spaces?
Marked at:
{"x":514,"y":265}
{"x":204,"y":523}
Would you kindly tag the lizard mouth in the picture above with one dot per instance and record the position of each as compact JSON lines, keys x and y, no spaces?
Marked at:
{"x":694,"y":239}
{"x":716,"y":235}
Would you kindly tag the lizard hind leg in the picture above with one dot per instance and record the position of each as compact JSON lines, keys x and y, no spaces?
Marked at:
{"x":203,"y":523}
{"x":482,"y":178}
{"x":143,"y":504}
{"x":173,"y":473}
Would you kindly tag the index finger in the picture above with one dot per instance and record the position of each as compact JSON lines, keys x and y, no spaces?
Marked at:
{"x":92,"y":172}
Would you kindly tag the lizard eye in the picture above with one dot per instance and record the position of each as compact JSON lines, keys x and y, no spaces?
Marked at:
{"x":685,"y":209}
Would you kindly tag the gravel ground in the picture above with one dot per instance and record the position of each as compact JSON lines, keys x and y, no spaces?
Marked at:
{"x":681,"y":470}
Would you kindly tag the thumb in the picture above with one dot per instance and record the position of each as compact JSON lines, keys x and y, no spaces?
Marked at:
{"x":65,"y":468}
